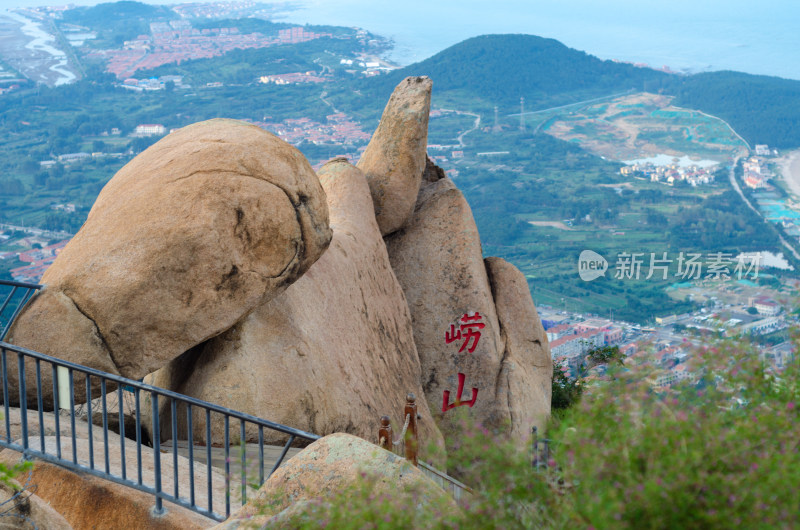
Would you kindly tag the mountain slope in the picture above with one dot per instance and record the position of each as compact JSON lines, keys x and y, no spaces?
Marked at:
{"x":764,"y":110}
{"x":503,"y":68}
{"x":499,"y":69}
{"x":117,"y":22}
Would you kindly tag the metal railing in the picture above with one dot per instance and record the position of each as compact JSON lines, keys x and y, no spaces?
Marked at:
{"x":56,"y":382}
{"x":540,"y":451}
{"x":13,"y":303}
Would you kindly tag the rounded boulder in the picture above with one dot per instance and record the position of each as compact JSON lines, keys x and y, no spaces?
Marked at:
{"x":182,"y":243}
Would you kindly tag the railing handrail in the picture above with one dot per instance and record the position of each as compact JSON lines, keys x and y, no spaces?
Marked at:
{"x":26,"y":285}
{"x":63,"y":462}
{"x":30,"y":289}
{"x":160,"y":391}
{"x":536,"y":452}
{"x":445,"y":476}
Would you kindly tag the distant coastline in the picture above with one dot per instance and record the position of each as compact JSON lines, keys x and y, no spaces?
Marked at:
{"x":39,"y":40}
{"x":686,"y":36}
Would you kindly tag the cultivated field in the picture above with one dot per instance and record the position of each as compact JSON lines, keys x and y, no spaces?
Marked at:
{"x":644,"y":125}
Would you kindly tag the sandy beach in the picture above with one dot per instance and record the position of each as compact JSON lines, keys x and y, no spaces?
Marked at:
{"x":789,"y":165}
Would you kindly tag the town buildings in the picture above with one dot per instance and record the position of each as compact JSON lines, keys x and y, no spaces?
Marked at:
{"x":671,"y":174}
{"x":177,"y":40}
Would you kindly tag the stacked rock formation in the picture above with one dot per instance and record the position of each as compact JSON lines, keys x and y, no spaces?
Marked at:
{"x":332,"y":353}
{"x":206,"y":264}
{"x":439,"y":262}
{"x":395,"y":157}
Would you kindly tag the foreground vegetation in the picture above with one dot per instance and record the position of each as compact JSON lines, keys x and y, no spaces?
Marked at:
{"x":719,"y":453}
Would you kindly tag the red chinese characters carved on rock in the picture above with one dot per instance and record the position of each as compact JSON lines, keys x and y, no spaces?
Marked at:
{"x":446,"y":405}
{"x":470,"y":329}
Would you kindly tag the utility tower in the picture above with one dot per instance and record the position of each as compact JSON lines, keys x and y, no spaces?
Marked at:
{"x":521,"y":114}
{"x":496,"y":122}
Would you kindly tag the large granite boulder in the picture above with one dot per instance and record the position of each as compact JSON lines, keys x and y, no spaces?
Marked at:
{"x":395,"y":157}
{"x":336,"y":465}
{"x":437,"y":258}
{"x":333,"y":353}
{"x":184,"y":241}
{"x":464,"y":347}
{"x":527,"y":369}
{"x":24,"y":510}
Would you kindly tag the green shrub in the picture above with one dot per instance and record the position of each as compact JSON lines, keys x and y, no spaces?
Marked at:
{"x":721,"y":453}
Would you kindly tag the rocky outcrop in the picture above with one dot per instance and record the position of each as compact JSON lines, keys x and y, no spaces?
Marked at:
{"x":526,"y":371}
{"x":184,"y":241}
{"x":333,"y":353}
{"x":495,"y":355}
{"x":24,"y":510}
{"x":395,"y":157}
{"x":86,"y":501}
{"x":335,"y":465}
{"x":438,"y":260}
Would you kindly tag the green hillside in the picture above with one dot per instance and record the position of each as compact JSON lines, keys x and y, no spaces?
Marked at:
{"x":764,"y":110}
{"x":116,"y":13}
{"x":503,"y":68}
{"x":499,"y":69}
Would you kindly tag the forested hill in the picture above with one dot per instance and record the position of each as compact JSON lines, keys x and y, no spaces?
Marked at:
{"x":764,"y":110}
{"x":116,"y":12}
{"x":499,"y":69}
{"x":117,"y":22}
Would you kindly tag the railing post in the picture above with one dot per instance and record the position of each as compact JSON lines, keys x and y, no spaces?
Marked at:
{"x":385,"y":436}
{"x":159,"y":507}
{"x":534,"y":447}
{"x":411,"y":439}
{"x":23,"y":403}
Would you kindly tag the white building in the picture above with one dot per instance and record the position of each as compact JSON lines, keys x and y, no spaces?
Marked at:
{"x":761,"y":327}
{"x":148,"y":129}
{"x":767,"y":308}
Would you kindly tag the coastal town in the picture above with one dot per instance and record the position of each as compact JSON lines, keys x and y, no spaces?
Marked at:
{"x":339,"y":132}
{"x":38,"y":45}
{"x":669,"y":344}
{"x":178,"y":41}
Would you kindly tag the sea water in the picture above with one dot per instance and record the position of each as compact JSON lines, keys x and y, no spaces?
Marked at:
{"x":685,"y":35}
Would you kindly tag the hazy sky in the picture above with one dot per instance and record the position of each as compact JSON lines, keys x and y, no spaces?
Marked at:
{"x":756,"y":37}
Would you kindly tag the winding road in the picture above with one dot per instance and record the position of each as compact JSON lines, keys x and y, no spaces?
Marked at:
{"x":474,"y":126}
{"x":735,"y":184}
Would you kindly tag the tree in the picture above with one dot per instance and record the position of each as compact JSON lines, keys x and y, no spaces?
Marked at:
{"x":566,"y":391}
